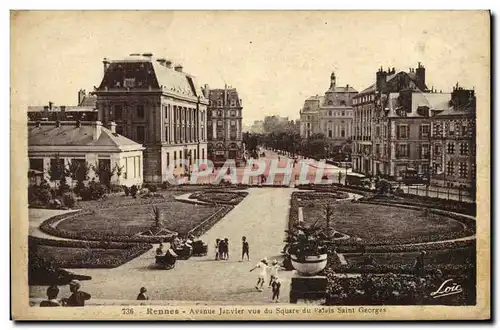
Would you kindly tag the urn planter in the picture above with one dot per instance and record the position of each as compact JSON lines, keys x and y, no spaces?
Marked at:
{"x":309,"y":265}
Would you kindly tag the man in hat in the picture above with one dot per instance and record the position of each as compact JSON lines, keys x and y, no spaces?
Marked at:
{"x":276,"y":289}
{"x":262,"y":265}
{"x":77,"y":299}
{"x":275,"y":266}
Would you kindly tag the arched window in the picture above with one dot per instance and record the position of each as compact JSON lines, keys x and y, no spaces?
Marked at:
{"x":342,"y":102}
{"x":330,"y":102}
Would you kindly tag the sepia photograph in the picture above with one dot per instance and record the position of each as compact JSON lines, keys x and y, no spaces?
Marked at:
{"x":250,"y":165}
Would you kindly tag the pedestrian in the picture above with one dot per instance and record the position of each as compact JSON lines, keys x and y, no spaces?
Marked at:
{"x":159,"y":250}
{"x":52,"y":293}
{"x":276,"y":289}
{"x":142,"y":294}
{"x":245,"y":249}
{"x":226,"y":248}
{"x":273,"y":272}
{"x":262,"y":265}
{"x":78,"y":298}
{"x":222,"y":249}
{"x":217,"y":254}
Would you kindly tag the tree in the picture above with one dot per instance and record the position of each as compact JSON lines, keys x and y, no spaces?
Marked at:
{"x":78,"y":171}
{"x":105,"y":173}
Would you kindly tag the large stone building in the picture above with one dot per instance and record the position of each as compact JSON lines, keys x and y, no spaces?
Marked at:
{"x":330,"y":114}
{"x":157,"y":105}
{"x":224,"y":125}
{"x":84,"y":141}
{"x":453,"y":142}
{"x":392,"y":123}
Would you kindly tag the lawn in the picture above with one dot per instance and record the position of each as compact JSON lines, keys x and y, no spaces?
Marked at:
{"x":129,"y":220}
{"x":455,"y":256}
{"x":382,"y":222}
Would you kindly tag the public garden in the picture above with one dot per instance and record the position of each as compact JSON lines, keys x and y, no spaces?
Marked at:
{"x":373,"y":242}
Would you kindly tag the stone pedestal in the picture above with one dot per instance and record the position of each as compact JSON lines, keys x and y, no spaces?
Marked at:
{"x":307,"y":287}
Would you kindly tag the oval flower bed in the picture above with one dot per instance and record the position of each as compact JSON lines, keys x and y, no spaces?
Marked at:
{"x":220,"y":196}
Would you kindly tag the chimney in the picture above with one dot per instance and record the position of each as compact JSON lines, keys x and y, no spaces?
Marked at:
{"x":112,"y":127}
{"x":381,"y":80}
{"x":161,"y":61}
{"x":420,"y":76}
{"x":96,"y":130}
{"x":168,"y":64}
{"x":105,"y":64}
{"x":147,"y":54}
{"x":135,"y":54}
{"x":62,"y":112}
{"x":178,"y":68}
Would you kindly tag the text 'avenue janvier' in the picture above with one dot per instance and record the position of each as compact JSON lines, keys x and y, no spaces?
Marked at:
{"x":259,"y":311}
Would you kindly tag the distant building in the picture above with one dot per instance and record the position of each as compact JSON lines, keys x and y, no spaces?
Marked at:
{"x":274,"y":124}
{"x":224,"y":125}
{"x":330,"y":114}
{"x":392,"y":123}
{"x":257,"y":127}
{"x":86,"y":110}
{"x":158,"y":105}
{"x":85,"y":142}
{"x":453,"y":141}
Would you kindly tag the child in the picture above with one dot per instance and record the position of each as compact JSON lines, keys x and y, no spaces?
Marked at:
{"x":221,"y":249}
{"x":274,"y":272}
{"x":52,"y":292}
{"x":159,"y":250}
{"x":77,"y":298}
{"x":262,"y":265}
{"x":226,"y":248}
{"x":276,"y":289}
{"x":245,"y":249}
{"x":142,"y":294}
{"x":217,"y":242}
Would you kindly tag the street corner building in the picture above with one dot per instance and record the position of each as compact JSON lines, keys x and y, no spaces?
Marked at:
{"x":224,"y":125}
{"x":157,"y":104}
{"x":65,"y":142}
{"x":392,"y":123}
{"x":330,"y":114}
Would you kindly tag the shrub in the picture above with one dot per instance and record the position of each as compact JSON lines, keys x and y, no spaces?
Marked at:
{"x":165,"y":185}
{"x":116,"y":188}
{"x":39,"y":195}
{"x":95,"y":191}
{"x":69,"y":199}
{"x":126,"y":190}
{"x":152,"y":188}
{"x":133,"y":191}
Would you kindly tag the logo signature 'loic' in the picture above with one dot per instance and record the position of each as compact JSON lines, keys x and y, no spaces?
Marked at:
{"x":447,"y":288}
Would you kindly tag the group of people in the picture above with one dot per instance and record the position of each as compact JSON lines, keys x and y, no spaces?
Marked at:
{"x":222,"y":249}
{"x":274,"y":281}
{"x":77,"y":298}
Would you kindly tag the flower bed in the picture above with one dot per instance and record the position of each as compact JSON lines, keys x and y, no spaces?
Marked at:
{"x":220,"y":196}
{"x":210,"y":222}
{"x":341,"y":248}
{"x":77,"y":254}
{"x":397,"y":289}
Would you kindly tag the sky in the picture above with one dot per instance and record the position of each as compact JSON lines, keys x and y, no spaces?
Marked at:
{"x":274,"y":59}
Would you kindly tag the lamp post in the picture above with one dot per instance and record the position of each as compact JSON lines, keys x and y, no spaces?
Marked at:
{"x":328,"y":210}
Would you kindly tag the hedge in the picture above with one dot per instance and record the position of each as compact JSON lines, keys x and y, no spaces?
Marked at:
{"x":404,"y":247}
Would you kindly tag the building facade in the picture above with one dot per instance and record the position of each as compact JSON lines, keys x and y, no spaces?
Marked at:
{"x":224,"y":125}
{"x":158,"y":105}
{"x":86,"y":110}
{"x":330,"y":114}
{"x":392,"y":124}
{"x":88,"y":142}
{"x":453,"y":142}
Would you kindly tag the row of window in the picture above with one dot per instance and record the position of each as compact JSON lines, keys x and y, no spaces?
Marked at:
{"x":191,"y":155}
{"x":338,"y":113}
{"x":218,"y":113}
{"x":463,"y":149}
{"x":452,"y":129}
{"x":220,"y":104}
{"x":363,"y":99}
{"x":451,"y":168}
{"x":220,"y":123}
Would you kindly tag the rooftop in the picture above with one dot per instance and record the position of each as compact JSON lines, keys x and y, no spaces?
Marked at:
{"x":71,"y":133}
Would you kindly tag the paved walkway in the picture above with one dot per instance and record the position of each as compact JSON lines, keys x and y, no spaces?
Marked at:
{"x":261,"y":216}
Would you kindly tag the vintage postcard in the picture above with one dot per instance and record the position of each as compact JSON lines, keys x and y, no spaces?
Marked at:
{"x":250,"y":165}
